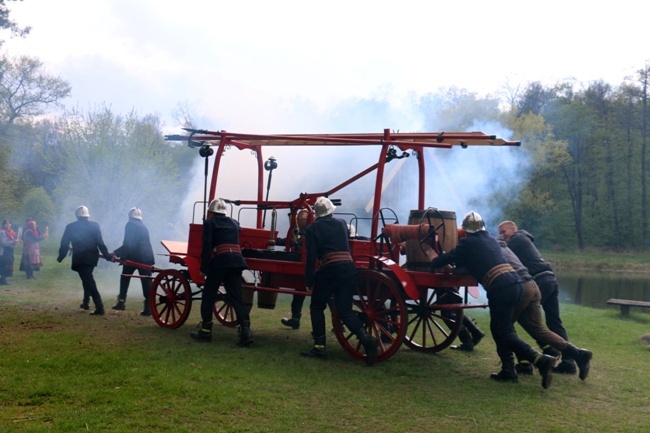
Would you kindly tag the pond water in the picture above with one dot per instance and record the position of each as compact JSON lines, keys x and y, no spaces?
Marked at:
{"x":593,"y":289}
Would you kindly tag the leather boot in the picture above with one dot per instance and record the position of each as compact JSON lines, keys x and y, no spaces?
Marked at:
{"x":99,"y":311}
{"x":551,"y":351}
{"x":370,"y":345}
{"x":544,"y":364}
{"x":84,"y":305}
{"x":146,"y":311}
{"x":524,"y":368}
{"x":507,"y":373}
{"x":120,"y":306}
{"x":245,"y":334}
{"x":582,"y":357}
{"x":203,"y":332}
{"x":466,"y":341}
{"x":318,"y":350}
{"x":293,"y":322}
{"x":477,"y":334}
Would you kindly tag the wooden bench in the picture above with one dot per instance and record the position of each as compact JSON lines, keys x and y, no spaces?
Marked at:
{"x":625,"y":304}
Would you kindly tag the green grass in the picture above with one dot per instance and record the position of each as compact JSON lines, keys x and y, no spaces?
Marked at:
{"x":62,"y":370}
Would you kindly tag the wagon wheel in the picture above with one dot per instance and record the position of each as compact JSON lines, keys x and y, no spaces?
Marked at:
{"x":432,"y":327}
{"x":223,"y":309}
{"x":430,"y":233}
{"x":170,"y":299}
{"x":379,"y":304}
{"x":381,"y":238}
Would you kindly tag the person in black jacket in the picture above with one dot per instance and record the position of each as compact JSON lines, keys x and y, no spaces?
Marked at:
{"x":327,"y":240}
{"x":86,"y":239}
{"x":481,"y":255}
{"x":136,"y":247}
{"x":222,"y":262}
{"x":522,"y":244}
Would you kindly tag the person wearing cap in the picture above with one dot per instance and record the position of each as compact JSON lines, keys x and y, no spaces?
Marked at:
{"x":86,"y":239}
{"x":522,"y":244}
{"x":327,"y":240}
{"x":136,"y":247}
{"x":528,"y":314}
{"x":222,"y":262}
{"x":481,"y":255}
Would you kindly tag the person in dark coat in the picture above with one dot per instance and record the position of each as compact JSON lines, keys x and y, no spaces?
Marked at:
{"x":136,"y":247}
{"x":222,"y":262}
{"x":8,"y":241}
{"x":481,"y":255}
{"x":522,"y":244}
{"x":86,"y":239}
{"x":327,"y":240}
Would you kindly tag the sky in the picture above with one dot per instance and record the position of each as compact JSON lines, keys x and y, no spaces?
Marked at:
{"x":243,"y":65}
{"x":289,"y":66}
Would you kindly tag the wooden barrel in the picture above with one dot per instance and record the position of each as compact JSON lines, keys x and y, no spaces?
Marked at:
{"x":266,"y":299}
{"x":416,"y":259}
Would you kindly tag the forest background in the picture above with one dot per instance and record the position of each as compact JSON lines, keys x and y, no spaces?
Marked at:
{"x":583,"y":181}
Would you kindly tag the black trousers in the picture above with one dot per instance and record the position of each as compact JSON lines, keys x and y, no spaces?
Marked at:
{"x":502,"y":302}
{"x":340,"y":285}
{"x":89,"y":285}
{"x":124,"y":281}
{"x":231,"y":278}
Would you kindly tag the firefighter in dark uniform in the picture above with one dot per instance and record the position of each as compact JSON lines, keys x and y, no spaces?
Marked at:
{"x":528,"y":314}
{"x":222,"y":262}
{"x":481,"y":255}
{"x":86,"y":239}
{"x":297,"y":301}
{"x":522,"y":244}
{"x":136,"y":247}
{"x":327,"y":240}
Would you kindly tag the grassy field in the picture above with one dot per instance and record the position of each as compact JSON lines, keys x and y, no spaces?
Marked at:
{"x":62,"y":370}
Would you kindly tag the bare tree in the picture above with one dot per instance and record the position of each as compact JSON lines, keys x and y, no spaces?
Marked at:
{"x":27,"y":90}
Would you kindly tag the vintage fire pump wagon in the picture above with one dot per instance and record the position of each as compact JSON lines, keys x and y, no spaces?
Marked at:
{"x":397,"y":303}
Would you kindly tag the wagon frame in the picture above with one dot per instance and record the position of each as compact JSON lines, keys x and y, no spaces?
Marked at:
{"x":397,"y":304}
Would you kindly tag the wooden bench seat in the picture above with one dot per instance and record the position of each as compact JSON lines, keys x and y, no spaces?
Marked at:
{"x":625,"y":304}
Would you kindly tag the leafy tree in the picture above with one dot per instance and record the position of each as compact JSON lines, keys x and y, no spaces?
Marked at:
{"x":111,"y":163}
{"x":38,"y":205}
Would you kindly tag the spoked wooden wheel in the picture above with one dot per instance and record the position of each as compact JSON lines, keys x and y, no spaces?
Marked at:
{"x":433,"y":322}
{"x":170,"y":299}
{"x":379,"y":304}
{"x":223,"y":310}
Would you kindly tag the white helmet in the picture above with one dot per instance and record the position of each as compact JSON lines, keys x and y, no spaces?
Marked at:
{"x":217,"y":206}
{"x":135,"y":213}
{"x":473,"y":223}
{"x":82,"y":211}
{"x":323,"y":207}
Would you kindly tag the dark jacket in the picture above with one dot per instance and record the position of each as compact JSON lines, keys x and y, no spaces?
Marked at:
{"x":220,"y":230}
{"x":326,"y":235}
{"x":521,"y":243}
{"x":514,"y":261}
{"x":478,"y":253}
{"x":86,"y":239}
{"x":136,"y":245}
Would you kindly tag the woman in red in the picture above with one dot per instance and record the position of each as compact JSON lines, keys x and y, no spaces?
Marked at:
{"x":31,"y":259}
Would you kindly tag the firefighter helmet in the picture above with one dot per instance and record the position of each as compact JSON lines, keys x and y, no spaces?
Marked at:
{"x":217,"y":206}
{"x":323,"y":207}
{"x":82,"y":211}
{"x":473,"y":223}
{"x":135,"y":213}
